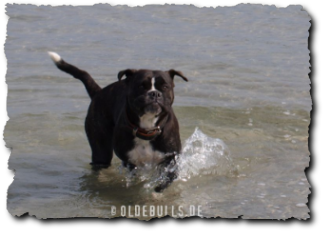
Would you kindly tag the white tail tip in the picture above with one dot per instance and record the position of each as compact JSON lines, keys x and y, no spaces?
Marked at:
{"x":54,"y":56}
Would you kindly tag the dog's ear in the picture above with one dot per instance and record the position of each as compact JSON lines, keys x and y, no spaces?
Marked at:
{"x":127,"y":72}
{"x":173,"y":72}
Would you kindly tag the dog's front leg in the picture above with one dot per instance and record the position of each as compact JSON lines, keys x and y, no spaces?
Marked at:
{"x":169,"y":171}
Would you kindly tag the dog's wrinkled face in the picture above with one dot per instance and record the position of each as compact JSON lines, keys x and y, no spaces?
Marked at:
{"x":150,"y":91}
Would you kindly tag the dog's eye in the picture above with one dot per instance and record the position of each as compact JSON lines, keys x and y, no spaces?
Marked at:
{"x":165,"y":87}
{"x":144,"y":85}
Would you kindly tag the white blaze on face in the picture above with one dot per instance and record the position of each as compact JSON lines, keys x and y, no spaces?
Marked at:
{"x":153,"y":84}
{"x":149,"y":120}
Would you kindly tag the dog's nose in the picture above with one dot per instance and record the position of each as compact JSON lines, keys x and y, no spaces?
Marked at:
{"x":154,"y":94}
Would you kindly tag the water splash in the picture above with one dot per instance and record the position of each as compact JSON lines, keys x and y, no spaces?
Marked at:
{"x":202,"y":155}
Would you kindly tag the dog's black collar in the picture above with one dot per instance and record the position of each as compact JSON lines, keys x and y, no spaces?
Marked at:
{"x":144,"y":134}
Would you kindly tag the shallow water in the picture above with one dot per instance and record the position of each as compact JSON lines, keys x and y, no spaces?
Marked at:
{"x":248,"y":95}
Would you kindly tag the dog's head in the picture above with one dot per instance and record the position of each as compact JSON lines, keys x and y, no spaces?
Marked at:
{"x":150,"y":91}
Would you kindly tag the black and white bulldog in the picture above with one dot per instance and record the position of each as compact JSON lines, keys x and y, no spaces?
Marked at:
{"x":132,"y":117}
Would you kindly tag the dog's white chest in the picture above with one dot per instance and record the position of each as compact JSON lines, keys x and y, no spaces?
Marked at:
{"x":143,"y":154}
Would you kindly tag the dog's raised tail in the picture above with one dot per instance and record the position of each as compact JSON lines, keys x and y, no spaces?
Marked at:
{"x":91,"y":86}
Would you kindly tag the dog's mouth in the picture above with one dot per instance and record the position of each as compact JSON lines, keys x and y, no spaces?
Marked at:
{"x":144,"y":106}
{"x":153,"y":108}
